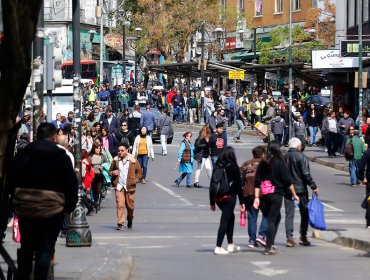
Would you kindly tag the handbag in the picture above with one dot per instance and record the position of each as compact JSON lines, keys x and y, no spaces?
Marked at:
{"x":316,"y":213}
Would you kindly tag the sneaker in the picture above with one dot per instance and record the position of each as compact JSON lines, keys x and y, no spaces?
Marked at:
{"x":220,"y":251}
{"x":252,"y":244}
{"x":177,"y":183}
{"x":261,"y":241}
{"x":143,"y":181}
{"x":232,"y":248}
{"x":129,"y":224}
{"x":271,"y":251}
{"x":304,"y":241}
{"x":196,"y":185}
{"x":291,"y":243}
{"x":354,"y":185}
{"x":119,"y":227}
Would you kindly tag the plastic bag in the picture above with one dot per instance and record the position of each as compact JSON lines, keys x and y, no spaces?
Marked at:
{"x":16,"y":232}
{"x":316,"y":213}
{"x":243,"y":219}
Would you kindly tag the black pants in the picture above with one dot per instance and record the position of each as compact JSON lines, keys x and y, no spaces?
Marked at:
{"x":38,"y":237}
{"x":272,"y":204}
{"x":367,"y":216}
{"x":227,"y":220}
{"x":289,"y":215}
{"x":332,"y":143}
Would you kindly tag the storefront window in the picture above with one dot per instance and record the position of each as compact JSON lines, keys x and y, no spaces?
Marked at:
{"x":258,"y":7}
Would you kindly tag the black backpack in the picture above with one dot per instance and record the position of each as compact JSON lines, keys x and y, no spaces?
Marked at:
{"x":349,"y":152}
{"x":219,"y":185}
{"x":124,"y":138}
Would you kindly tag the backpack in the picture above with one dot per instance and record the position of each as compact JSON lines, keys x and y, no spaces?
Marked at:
{"x":124,"y":138}
{"x":219,"y":185}
{"x":349,"y":152}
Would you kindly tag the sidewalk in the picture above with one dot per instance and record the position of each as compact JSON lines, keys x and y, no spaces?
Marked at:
{"x":98,"y":262}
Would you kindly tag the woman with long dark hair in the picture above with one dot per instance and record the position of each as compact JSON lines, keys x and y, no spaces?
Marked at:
{"x":202,"y":154}
{"x":312,"y":123}
{"x":96,"y":160}
{"x":226,"y":203}
{"x":273,"y":182}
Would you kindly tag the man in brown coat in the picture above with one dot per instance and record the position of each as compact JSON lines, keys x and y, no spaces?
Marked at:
{"x":126,"y":173}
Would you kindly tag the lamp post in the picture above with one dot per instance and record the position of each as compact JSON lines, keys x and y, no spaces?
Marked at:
{"x":202,"y":75}
{"x":78,"y":234}
{"x":99,"y":13}
{"x":138,"y":36}
{"x":360,"y":101}
{"x":290,"y":70}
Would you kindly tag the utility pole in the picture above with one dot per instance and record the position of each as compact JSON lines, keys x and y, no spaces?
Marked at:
{"x":124,"y":52}
{"x":101,"y":65}
{"x":38,"y":73}
{"x":202,"y":75}
{"x":290,"y":70}
{"x":360,"y":101}
{"x":78,"y":234}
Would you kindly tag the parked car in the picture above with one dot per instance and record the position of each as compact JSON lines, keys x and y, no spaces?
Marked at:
{"x":319,"y":100}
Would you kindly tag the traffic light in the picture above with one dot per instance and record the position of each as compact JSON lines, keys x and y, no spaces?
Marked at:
{"x":52,"y":77}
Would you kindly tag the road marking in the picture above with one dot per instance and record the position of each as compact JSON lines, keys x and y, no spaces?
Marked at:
{"x":345,"y":221}
{"x":172,"y":193}
{"x":268,"y":271}
{"x":147,"y":247}
{"x":136,"y":237}
{"x":332,"y":208}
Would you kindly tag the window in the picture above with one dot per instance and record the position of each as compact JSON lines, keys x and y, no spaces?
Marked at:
{"x":365,"y":8}
{"x":258,"y":7}
{"x":296,"y":5}
{"x":278,"y":6}
{"x":313,"y":3}
{"x":351,"y":14}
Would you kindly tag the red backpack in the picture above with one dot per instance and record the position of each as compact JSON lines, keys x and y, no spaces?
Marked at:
{"x":89,"y":176}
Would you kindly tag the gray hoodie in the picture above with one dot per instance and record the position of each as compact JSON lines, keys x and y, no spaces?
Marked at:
{"x":277,"y":125}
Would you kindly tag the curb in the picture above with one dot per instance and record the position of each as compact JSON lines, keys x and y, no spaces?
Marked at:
{"x":337,"y":166}
{"x":343,"y":241}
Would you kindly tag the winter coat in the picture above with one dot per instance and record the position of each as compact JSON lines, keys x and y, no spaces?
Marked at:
{"x":133,"y":176}
{"x":277,"y":125}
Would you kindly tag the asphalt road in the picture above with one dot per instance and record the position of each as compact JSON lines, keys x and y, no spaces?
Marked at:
{"x":174,"y":232}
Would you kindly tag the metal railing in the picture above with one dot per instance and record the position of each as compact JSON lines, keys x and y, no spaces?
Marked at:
{"x":12,"y":272}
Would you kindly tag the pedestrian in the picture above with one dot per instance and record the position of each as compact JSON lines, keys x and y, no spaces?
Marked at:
{"x":273,"y":182}
{"x":192,"y":105}
{"x":267,"y":118}
{"x":125,"y":135}
{"x":248,"y":172}
{"x":178,"y":104}
{"x":343,"y":131}
{"x":212,"y":121}
{"x":300,"y":131}
{"x":148,"y":120}
{"x":299,"y":170}
{"x":42,"y":197}
{"x":358,"y":148}
{"x":97,"y":159}
{"x":24,"y":140}
{"x":126,"y":173}
{"x":109,"y":141}
{"x":87,"y":178}
{"x":216,"y":143}
{"x":226,"y":203}
{"x":110,"y":122}
{"x":277,"y":127}
{"x":209,"y":106}
{"x":312,"y":123}
{"x":222,"y":119}
{"x":123,"y":99}
{"x":252,"y":111}
{"x":134,"y":120}
{"x":143,"y":149}
{"x":330,"y":130}
{"x":185,"y":159}
{"x":165,"y":128}
{"x":241,"y":119}
{"x":201,"y":154}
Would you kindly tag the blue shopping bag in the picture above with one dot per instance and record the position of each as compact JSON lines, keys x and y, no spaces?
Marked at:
{"x":316,"y":213}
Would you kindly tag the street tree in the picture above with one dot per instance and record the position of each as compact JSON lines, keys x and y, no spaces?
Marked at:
{"x":19,"y":23}
{"x":322,"y":20}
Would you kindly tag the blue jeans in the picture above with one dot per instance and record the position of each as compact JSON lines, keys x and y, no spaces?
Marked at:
{"x":188,"y":178}
{"x":207,"y":114}
{"x":313,"y":131}
{"x":214,"y":159}
{"x":286,"y":136}
{"x":278,"y":138}
{"x":178,"y":113}
{"x":252,"y":220}
{"x":354,"y":172}
{"x":240,"y":125}
{"x":123,"y":106}
{"x":143,"y":160}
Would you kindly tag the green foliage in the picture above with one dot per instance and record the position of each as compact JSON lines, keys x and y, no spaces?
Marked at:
{"x":277,"y":49}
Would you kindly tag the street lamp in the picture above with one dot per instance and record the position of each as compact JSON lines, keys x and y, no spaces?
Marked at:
{"x":218,"y":31}
{"x":124,"y":23}
{"x":138,"y":31}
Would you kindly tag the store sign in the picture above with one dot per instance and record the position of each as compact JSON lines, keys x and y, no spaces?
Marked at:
{"x":350,"y":48}
{"x":113,"y":40}
{"x":236,"y":75}
{"x":331,"y":59}
{"x":230,"y":43}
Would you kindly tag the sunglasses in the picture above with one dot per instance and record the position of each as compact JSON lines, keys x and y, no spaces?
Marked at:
{"x":124,"y":125}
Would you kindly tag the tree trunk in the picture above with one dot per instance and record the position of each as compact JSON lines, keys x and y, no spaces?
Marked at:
{"x":19,"y":20}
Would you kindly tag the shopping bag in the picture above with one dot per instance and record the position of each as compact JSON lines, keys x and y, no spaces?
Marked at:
{"x":16,"y":232}
{"x":243,"y":219}
{"x":316,"y":213}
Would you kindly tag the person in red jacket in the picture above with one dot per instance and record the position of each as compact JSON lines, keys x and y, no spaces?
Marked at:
{"x":169,"y":102}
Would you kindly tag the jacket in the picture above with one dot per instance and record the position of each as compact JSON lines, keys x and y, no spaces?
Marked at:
{"x":148,"y":120}
{"x":277,"y":125}
{"x":165,"y":125}
{"x":178,"y":101}
{"x":248,"y":172}
{"x":358,"y":146}
{"x":133,"y":176}
{"x":47,"y":185}
{"x":299,"y":169}
{"x":270,"y":114}
{"x":113,"y":126}
{"x":149,"y":146}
